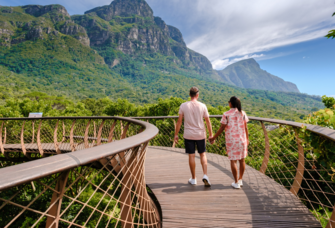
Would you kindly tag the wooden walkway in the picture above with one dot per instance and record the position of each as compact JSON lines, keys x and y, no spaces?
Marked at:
{"x":260,"y":203}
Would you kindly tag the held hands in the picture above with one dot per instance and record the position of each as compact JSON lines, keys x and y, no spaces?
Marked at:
{"x":211,"y":140}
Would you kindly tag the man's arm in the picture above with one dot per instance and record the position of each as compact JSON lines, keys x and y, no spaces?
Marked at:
{"x":178,"y":126}
{"x":209,"y":126}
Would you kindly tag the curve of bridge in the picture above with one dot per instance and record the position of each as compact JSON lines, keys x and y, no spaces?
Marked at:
{"x":261,"y":202}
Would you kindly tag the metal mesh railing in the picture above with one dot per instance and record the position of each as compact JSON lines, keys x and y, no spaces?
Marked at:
{"x":282,"y":151}
{"x":96,"y":180}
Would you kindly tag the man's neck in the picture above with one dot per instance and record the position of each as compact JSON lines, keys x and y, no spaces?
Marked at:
{"x":194,"y":99}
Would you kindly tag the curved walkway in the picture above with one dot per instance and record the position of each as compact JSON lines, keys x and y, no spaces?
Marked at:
{"x":260,"y":203}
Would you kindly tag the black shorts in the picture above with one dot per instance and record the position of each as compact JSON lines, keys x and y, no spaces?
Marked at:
{"x":190,"y":146}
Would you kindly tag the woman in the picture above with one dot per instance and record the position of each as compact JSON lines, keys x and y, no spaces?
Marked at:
{"x":234,"y":122}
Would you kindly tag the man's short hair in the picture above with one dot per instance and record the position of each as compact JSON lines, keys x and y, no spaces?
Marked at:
{"x":193,"y":91}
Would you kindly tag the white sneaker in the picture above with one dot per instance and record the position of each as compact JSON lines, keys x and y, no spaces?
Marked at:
{"x":192,"y":181}
{"x":206,"y":181}
{"x":240,"y":183}
{"x":235,"y":185}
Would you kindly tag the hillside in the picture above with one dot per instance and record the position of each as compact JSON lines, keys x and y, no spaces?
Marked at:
{"x":248,"y":74}
{"x":118,"y":51}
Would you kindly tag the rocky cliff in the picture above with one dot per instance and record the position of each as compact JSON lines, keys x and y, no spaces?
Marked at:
{"x":31,"y":22}
{"x":129,"y":26}
{"x":248,"y":74}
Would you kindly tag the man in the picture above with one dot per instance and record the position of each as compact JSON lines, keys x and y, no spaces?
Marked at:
{"x":194,"y":113}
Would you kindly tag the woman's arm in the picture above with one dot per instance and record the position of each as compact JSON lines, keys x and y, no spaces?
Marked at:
{"x":219,"y":132}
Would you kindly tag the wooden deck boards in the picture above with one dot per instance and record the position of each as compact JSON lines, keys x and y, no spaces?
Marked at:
{"x":260,"y":203}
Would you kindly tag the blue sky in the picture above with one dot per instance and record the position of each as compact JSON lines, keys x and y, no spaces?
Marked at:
{"x":286,"y":37}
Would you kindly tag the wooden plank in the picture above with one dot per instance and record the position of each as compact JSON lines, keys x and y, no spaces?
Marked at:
{"x":260,"y":203}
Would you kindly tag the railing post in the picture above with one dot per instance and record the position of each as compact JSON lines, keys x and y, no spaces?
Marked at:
{"x":86,"y":134}
{"x":267,"y":150}
{"x":33,"y":137}
{"x":55,"y":139}
{"x":1,"y":145}
{"x":301,"y":166}
{"x":73,"y":147}
{"x":111,"y":132}
{"x":57,"y":196}
{"x":39,"y":144}
{"x":100,"y":133}
{"x":22,"y":141}
{"x":331,"y":223}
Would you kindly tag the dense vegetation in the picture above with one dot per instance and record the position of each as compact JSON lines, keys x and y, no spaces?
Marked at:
{"x":22,"y":105}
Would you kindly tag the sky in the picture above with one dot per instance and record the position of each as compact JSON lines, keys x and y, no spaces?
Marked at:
{"x":285,"y":37}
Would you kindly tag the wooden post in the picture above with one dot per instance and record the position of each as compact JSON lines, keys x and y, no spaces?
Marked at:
{"x":331,"y":223}
{"x":39,"y":144}
{"x":22,"y":141}
{"x":73,"y":148}
{"x":100,"y":133}
{"x":125,"y":196}
{"x":55,"y":209}
{"x":33,"y":137}
{"x":5,"y":137}
{"x":55,"y":139}
{"x":111,"y":132}
{"x":86,"y":134}
{"x":94,"y":132}
{"x":301,"y":166}
{"x":267,"y":150}
{"x":1,"y":145}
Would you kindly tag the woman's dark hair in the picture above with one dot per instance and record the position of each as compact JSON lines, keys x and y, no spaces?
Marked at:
{"x":236,"y":103}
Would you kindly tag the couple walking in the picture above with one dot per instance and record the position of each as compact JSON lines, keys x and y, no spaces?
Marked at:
{"x":233,"y":122}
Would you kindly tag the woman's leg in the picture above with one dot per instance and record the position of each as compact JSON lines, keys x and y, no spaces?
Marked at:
{"x":233,"y":165}
{"x":242,"y":168}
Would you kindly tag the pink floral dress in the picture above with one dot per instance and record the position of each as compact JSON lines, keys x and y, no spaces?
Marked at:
{"x":236,"y":138}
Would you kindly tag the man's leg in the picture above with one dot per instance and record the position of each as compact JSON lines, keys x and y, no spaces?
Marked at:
{"x":242,"y":168}
{"x":191,"y":160}
{"x":234,"y":169}
{"x":201,"y":145}
{"x":203,"y":160}
{"x":190,"y":150}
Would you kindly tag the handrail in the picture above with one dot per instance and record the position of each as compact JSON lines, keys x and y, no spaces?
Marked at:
{"x":109,"y":171}
{"x":32,"y":170}
{"x":326,"y":132}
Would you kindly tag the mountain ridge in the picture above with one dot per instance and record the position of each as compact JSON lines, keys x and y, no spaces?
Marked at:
{"x":248,"y":74}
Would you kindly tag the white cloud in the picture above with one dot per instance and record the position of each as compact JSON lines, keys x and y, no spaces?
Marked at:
{"x":220,"y":64}
{"x":225,"y":29}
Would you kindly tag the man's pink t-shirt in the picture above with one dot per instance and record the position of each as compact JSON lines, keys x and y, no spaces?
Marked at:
{"x":194,"y":113}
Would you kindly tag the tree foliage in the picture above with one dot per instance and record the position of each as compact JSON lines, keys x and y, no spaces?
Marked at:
{"x":331,"y":33}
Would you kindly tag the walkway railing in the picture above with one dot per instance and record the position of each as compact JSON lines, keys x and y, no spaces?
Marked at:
{"x":95,"y":179}
{"x":293,"y":154}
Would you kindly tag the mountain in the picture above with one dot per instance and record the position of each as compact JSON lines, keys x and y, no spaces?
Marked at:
{"x":120,"y":51}
{"x":248,"y":74}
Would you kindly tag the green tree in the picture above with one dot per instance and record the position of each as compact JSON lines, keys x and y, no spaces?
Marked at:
{"x":329,"y":102}
{"x":331,"y":33}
